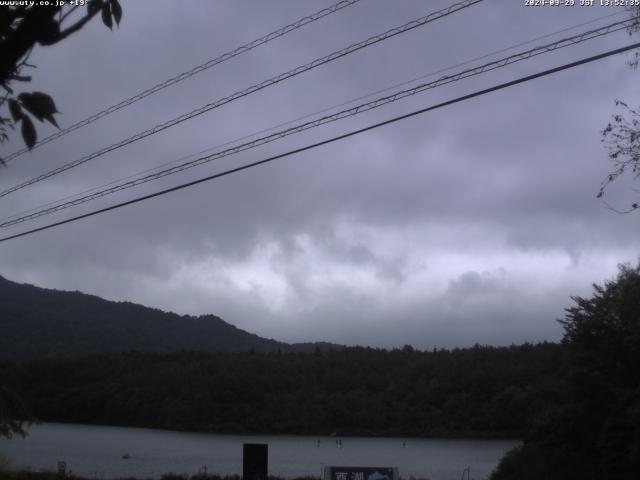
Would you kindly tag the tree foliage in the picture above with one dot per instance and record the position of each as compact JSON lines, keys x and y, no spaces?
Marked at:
{"x":604,"y":330}
{"x":474,"y":392}
{"x":594,"y":432}
{"x":13,"y":413}
{"x":621,"y":136}
{"x":622,"y":139}
{"x":22,"y":27}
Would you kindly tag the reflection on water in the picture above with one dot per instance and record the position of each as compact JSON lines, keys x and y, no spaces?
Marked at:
{"x":107,"y":452}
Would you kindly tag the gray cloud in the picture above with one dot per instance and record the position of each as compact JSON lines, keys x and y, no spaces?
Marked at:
{"x":473,"y":223}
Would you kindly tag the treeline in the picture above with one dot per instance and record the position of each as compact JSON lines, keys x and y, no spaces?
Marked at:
{"x":30,"y":475}
{"x":474,"y":392}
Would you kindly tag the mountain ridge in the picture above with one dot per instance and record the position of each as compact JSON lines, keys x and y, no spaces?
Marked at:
{"x":43,"y":323}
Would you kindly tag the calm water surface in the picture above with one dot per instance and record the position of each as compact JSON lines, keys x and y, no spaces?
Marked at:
{"x":96,"y":451}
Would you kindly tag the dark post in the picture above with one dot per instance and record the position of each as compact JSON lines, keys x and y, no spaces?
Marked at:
{"x":255,"y":458}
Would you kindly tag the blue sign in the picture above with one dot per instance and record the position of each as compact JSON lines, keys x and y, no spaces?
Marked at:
{"x":360,"y":473}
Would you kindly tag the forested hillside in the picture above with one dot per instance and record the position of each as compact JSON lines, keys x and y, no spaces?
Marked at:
{"x":479,"y":392}
{"x":39,"y":323}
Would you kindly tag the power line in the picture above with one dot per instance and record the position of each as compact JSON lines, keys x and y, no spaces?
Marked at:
{"x":317,"y":112}
{"x":331,"y":140}
{"x":189,"y":73}
{"x":334,"y":117}
{"x":254,"y":88}
{"x":503,"y":62}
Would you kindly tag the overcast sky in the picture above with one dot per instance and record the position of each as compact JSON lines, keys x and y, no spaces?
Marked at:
{"x":473,"y":223}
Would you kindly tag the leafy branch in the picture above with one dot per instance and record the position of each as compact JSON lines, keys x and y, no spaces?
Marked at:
{"x":21,"y":29}
{"x":622,"y":139}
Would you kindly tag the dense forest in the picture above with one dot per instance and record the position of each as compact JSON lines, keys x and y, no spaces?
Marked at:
{"x":479,"y":392}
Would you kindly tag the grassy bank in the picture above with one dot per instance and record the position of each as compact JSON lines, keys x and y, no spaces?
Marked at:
{"x":30,"y":475}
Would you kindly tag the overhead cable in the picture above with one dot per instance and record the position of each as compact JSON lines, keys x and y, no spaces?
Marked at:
{"x":309,"y":115}
{"x":252,"y":89}
{"x":331,"y":140}
{"x":503,"y":62}
{"x":189,"y":73}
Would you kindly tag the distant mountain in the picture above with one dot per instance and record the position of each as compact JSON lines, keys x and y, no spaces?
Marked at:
{"x":40,"y":323}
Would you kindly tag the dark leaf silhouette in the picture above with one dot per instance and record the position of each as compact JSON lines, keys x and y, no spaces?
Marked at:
{"x":40,"y":105}
{"x":94,"y":5}
{"x":28,"y":132}
{"x":14,"y":108}
{"x":106,"y":15}
{"x":116,"y":9}
{"x":48,"y":30}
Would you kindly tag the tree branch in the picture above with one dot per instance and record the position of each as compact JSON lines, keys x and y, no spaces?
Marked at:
{"x":76,"y":26}
{"x":63,"y":17}
{"x":23,"y":38}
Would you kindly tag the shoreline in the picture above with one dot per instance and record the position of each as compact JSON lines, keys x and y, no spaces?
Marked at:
{"x":400,"y":437}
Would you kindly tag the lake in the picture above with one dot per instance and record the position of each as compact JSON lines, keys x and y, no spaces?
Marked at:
{"x":97,"y":451}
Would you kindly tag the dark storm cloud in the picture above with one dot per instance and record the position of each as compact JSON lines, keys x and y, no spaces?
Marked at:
{"x":472,"y":223}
